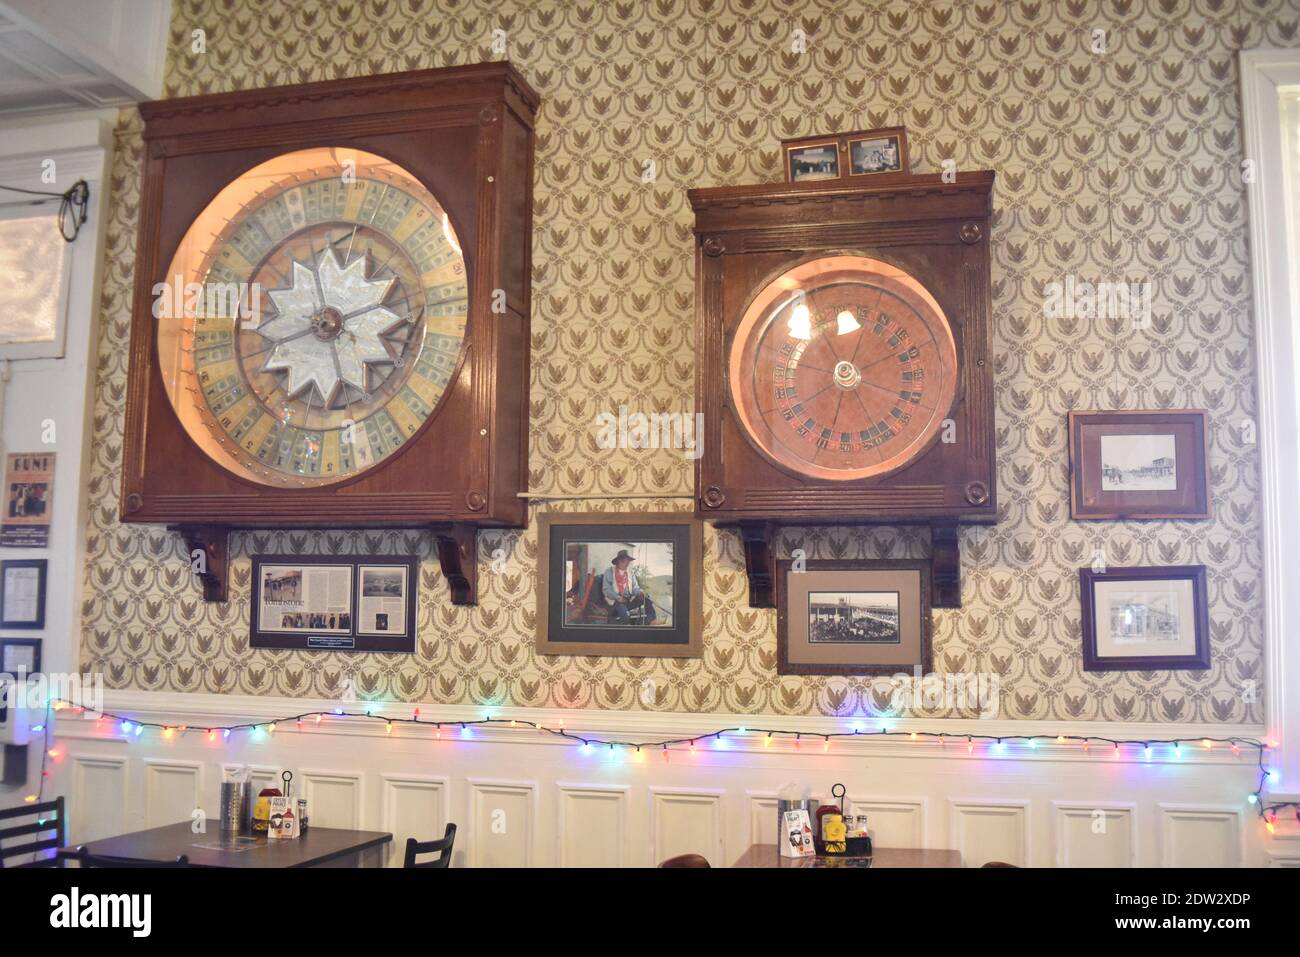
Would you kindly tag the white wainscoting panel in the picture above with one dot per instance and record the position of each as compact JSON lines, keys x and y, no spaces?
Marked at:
{"x":413,"y":806}
{"x":334,"y":798}
{"x":591,"y":827}
{"x":991,"y":830}
{"x":172,"y":790}
{"x":762,"y":817}
{"x":893,"y":823}
{"x":502,"y":823}
{"x":1192,"y":836}
{"x":1095,"y":834}
{"x":97,"y":798}
{"x":687,"y":821}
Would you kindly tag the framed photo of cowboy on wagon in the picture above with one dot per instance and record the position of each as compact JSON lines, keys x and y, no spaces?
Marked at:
{"x":619,"y":583}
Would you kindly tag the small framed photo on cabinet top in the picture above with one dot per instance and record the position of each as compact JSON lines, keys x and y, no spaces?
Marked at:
{"x":1145,"y":619}
{"x":1139,"y":465}
{"x":814,"y":159}
{"x":877,"y":151}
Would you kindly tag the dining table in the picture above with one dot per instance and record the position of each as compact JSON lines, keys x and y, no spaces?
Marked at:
{"x":315,"y":847}
{"x":768,"y":855}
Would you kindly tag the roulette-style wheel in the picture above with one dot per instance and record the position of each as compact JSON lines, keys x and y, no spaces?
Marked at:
{"x":845,"y":365}
{"x":331,"y":310}
{"x":843,"y":368}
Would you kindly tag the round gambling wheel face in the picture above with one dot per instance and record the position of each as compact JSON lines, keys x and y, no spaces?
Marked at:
{"x":843,"y":368}
{"x":312,"y":318}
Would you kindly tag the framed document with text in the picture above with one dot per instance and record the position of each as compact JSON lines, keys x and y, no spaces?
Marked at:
{"x":334,"y":603}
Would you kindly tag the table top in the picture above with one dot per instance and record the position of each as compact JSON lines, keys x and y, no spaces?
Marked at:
{"x":767,"y":855}
{"x":318,"y":845}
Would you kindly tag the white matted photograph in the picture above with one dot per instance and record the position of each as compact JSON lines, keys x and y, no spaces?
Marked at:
{"x":1140,"y":616}
{"x":1145,"y":619}
{"x":1138,"y":463}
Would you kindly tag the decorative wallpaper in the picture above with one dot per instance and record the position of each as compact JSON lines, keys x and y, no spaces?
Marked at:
{"x":1118,"y":156}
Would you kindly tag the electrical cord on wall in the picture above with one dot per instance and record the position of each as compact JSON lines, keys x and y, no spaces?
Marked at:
{"x":73,"y":206}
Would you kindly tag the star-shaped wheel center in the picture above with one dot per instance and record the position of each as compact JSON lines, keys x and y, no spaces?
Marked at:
{"x":327,"y":326}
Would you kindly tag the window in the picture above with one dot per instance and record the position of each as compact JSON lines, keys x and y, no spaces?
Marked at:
{"x":33,"y":282}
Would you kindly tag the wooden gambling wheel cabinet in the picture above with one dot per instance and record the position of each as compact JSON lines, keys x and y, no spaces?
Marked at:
{"x":845,"y":371}
{"x":331,"y":317}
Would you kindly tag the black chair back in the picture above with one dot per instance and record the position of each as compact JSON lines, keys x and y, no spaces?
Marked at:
{"x":22,"y":839}
{"x":84,"y":858}
{"x":441,"y":847}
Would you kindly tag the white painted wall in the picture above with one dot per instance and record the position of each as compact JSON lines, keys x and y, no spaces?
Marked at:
{"x":561,"y":807}
{"x":59,"y":389}
{"x":1274,"y":195}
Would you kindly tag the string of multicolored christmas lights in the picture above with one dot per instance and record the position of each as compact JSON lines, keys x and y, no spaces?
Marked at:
{"x":135,"y":728}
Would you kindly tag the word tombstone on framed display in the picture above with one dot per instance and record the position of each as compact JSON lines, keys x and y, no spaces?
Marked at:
{"x":1145,"y":618}
{"x":335,"y":602}
{"x":853,"y":618}
{"x":29,"y":500}
{"x":620,"y":583}
{"x":1139,"y":464}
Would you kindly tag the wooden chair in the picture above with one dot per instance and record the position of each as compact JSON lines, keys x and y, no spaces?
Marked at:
{"x":441,"y":847}
{"x":50,"y":816}
{"x":84,"y":858}
{"x":686,"y":860}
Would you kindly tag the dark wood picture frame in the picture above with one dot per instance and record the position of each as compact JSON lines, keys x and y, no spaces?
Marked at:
{"x":1198,"y":660}
{"x":784,"y":664}
{"x":42,"y":567}
{"x":687,"y":637}
{"x":1190,"y":499}
{"x":33,"y":643}
{"x":356,"y":639}
{"x":843,"y":143}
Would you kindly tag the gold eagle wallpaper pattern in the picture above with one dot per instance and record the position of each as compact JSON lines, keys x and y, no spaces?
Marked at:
{"x":1114,"y":128}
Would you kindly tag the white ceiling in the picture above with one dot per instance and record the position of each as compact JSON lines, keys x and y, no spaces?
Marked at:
{"x":77,"y":54}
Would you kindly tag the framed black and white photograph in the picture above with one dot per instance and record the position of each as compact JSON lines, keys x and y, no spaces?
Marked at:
{"x":619,"y":584}
{"x":1139,"y":465}
{"x":334,"y":603}
{"x":22,"y":593}
{"x":877,"y":151}
{"x":808,"y":161}
{"x":1145,"y":619}
{"x":383,"y":601}
{"x":854,"y":617}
